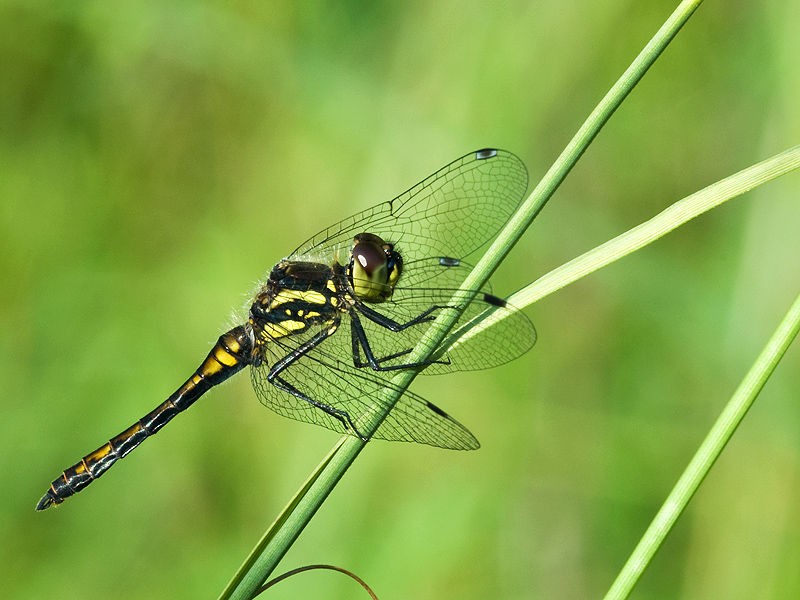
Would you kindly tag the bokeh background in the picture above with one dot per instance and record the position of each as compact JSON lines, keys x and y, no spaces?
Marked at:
{"x":157,"y":158}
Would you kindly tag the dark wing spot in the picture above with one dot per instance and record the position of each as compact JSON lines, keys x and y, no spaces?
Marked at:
{"x":494,"y":300}
{"x":437,"y":410}
{"x":448,"y":261}
{"x":485,"y":153}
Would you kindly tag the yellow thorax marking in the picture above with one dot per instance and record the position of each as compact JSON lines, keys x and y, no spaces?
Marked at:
{"x":304,"y":296}
{"x":278,"y":330}
{"x":305,"y":314}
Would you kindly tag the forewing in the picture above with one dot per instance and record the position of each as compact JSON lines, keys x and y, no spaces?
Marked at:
{"x":451,"y":213}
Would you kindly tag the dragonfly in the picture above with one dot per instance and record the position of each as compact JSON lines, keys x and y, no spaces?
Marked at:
{"x":333,"y":321}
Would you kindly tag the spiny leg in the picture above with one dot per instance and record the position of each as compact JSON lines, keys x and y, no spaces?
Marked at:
{"x":360,"y":340}
{"x":389,"y":323}
{"x":274,"y":377}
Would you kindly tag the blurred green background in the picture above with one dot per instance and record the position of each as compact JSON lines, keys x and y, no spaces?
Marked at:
{"x":156,"y":159}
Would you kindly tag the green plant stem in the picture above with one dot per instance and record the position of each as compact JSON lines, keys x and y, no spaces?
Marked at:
{"x":708,"y":453}
{"x":301,"y":513}
{"x":247,"y":575}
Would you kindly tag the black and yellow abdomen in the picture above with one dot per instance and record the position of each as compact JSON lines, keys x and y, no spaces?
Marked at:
{"x":231,"y":353}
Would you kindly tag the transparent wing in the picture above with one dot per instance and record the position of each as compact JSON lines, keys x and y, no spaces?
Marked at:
{"x":451,"y":213}
{"x":338,"y":384}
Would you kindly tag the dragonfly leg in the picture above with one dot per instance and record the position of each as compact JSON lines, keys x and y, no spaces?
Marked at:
{"x":274,"y":377}
{"x":360,"y":340}
{"x":341,"y":415}
{"x":384,"y":321}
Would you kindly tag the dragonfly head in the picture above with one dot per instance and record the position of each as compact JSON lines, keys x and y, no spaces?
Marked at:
{"x":374,"y":268}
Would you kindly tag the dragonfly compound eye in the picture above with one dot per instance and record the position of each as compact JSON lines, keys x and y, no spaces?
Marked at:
{"x":374,"y":268}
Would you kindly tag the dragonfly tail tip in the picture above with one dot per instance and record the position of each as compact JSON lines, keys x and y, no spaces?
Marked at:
{"x":47,"y":501}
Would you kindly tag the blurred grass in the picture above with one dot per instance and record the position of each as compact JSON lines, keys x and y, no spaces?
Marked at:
{"x":156,"y":160}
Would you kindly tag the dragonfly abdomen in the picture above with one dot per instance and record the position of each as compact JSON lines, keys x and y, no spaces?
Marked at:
{"x":231,"y":353}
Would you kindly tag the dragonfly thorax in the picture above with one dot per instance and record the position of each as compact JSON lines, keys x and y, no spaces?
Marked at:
{"x":297,"y":295}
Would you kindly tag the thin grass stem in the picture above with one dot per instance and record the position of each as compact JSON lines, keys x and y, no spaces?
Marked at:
{"x":709,"y":451}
